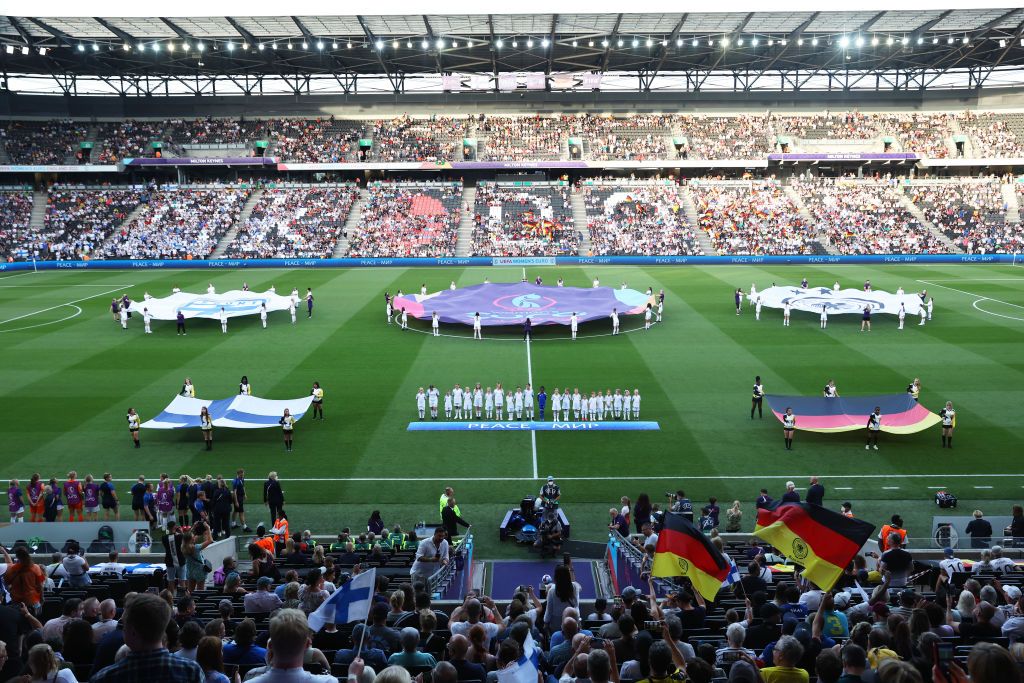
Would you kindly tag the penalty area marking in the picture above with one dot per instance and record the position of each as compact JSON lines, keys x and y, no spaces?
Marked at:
{"x":78,"y":312}
{"x":67,"y":303}
{"x":976,"y":307}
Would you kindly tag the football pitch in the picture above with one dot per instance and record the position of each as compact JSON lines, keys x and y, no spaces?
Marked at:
{"x":70,"y":373}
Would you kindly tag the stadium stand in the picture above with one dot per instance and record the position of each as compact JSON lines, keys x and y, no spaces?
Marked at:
{"x":178,"y":222}
{"x":972,"y":212}
{"x":78,"y":221}
{"x":752,"y":217}
{"x":295,"y":222}
{"x":312,"y":140}
{"x":995,"y":136}
{"x":524,"y":219}
{"x":15,"y":215}
{"x":42,"y":142}
{"x":517,"y":138}
{"x":637,"y":218}
{"x":408,"y":219}
{"x":128,"y":139}
{"x":865,"y":216}
{"x":722,"y":137}
{"x":413,"y":139}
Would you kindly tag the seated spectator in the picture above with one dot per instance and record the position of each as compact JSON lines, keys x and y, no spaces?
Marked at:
{"x":410,"y":656}
{"x":378,"y":635}
{"x":243,"y":649}
{"x":145,"y":624}
{"x":787,"y":654}
{"x":43,"y":666}
{"x":263,"y":600}
{"x":287,"y":647}
{"x":458,"y":649}
{"x":188,"y":637}
{"x":735,"y":635}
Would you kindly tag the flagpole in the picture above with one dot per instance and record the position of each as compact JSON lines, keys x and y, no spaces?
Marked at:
{"x":362,"y":636}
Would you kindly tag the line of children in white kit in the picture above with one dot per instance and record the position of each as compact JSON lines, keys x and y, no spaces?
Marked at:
{"x":468,"y":403}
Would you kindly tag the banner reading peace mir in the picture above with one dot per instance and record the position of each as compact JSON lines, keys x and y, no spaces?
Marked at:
{"x":235,"y":303}
{"x":512,"y":303}
{"x":839,"y":301}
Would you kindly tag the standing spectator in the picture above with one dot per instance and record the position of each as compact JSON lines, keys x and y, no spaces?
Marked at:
{"x":221,"y":504}
{"x":815,"y":492}
{"x":273,"y":496}
{"x":763,"y":500}
{"x":710,"y":514}
{"x":565,"y":593}
{"x":145,"y":624}
{"x":76,"y":566}
{"x":24,"y":579}
{"x":451,"y":520}
{"x":192,"y":546}
{"x":430,"y":555}
{"x":791,"y":495}
{"x":733,"y":518}
{"x":980,"y":531}
{"x":897,"y":561}
{"x":641,"y":511}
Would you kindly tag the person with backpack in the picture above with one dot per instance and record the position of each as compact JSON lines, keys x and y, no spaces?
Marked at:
{"x":174,"y":559}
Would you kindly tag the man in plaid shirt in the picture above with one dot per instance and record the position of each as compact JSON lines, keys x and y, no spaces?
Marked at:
{"x":145,"y":621}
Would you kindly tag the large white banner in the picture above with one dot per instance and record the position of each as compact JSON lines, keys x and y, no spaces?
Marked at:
{"x":234,"y":302}
{"x":839,"y":301}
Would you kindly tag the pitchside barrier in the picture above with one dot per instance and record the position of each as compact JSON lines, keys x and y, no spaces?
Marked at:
{"x":532,"y":261}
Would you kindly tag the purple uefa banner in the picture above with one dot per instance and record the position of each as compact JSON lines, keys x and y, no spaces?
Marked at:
{"x":855,"y":156}
{"x":513,"y":303}
{"x":196,"y":161}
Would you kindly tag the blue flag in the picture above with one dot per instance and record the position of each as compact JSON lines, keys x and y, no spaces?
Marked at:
{"x":351,"y":602}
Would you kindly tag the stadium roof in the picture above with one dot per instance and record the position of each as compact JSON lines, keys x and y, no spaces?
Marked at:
{"x":899,"y":45}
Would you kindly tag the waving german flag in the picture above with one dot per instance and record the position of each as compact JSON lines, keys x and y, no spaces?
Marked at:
{"x":683,"y":550}
{"x":823,"y":542}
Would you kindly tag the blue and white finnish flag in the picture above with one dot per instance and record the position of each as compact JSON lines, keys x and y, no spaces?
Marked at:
{"x":525,"y":669}
{"x":734,"y":574}
{"x":351,"y":602}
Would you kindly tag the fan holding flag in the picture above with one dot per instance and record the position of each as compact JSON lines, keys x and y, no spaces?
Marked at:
{"x":822,"y":541}
{"x":682,"y":550}
{"x":351,"y":602}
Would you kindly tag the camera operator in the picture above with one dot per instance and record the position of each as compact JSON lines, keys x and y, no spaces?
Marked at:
{"x":681,"y":504}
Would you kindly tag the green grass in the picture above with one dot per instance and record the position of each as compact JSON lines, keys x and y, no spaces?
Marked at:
{"x":66,"y":386}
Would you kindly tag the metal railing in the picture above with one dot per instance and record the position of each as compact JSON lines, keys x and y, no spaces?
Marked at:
{"x":443,"y":577}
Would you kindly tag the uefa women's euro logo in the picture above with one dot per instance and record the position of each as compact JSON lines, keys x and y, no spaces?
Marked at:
{"x":241,"y":306}
{"x":524,"y":302}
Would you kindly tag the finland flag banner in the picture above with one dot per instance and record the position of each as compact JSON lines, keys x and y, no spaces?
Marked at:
{"x":240,"y":412}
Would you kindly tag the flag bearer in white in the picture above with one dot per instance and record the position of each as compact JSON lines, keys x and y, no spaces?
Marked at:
{"x":223,"y":321}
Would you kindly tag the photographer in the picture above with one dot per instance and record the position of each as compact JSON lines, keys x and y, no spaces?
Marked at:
{"x":549,"y":533}
{"x":192,"y":545}
{"x":681,"y":504}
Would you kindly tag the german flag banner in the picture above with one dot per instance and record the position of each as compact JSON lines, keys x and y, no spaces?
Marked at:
{"x":683,"y":550}
{"x":822,"y":541}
